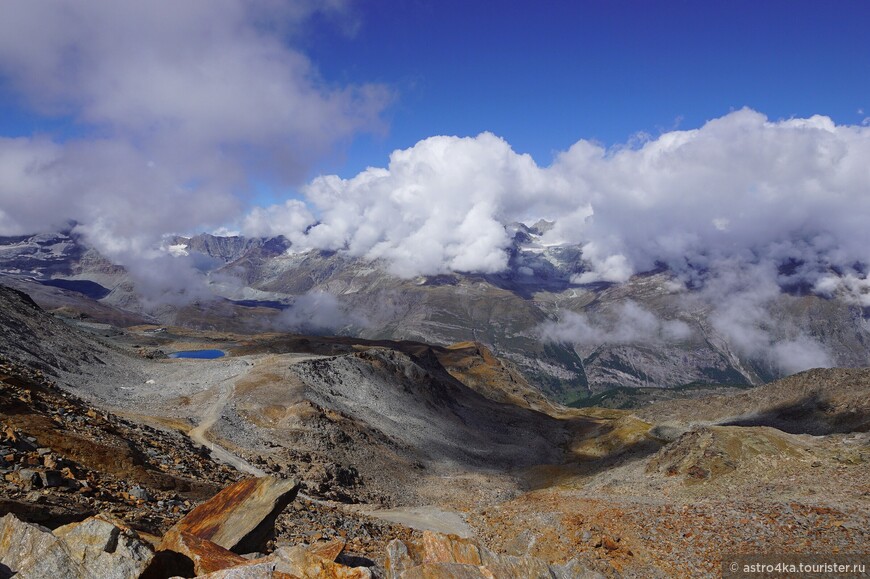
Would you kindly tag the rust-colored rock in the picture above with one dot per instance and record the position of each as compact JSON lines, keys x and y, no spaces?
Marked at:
{"x":439,"y":556}
{"x":182,"y":553}
{"x":301,"y":562}
{"x":449,"y":571}
{"x":439,"y":548}
{"x":328,"y":549}
{"x":609,"y":543}
{"x":241,"y":517}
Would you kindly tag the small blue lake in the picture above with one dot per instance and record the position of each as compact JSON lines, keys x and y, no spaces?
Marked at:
{"x":199,"y":354}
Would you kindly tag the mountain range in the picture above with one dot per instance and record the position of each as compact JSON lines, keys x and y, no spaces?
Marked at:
{"x":571,"y":340}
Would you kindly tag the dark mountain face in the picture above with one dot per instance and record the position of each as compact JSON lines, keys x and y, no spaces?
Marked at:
{"x":44,"y":255}
{"x":569,"y":339}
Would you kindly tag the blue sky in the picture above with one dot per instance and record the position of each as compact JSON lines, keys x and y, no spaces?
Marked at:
{"x":544,"y":74}
{"x":177,"y":117}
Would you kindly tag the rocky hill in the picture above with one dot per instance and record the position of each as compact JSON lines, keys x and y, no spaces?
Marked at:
{"x":411,"y":459}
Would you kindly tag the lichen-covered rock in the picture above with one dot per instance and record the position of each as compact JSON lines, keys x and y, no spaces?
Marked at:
{"x":100,"y":547}
{"x":398,"y":559}
{"x":241,"y":517}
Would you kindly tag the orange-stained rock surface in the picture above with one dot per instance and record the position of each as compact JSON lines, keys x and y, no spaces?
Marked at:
{"x":181,"y":552}
{"x":439,"y":556}
{"x":241,"y":517}
{"x":302,"y":562}
{"x":328,"y":549}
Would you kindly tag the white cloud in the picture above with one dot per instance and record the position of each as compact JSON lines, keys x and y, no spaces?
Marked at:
{"x":743,"y":299}
{"x":177,"y":105}
{"x":740,"y":186}
{"x":625,"y":323}
{"x":290,"y":219}
{"x":439,"y":207}
{"x":318,"y":312}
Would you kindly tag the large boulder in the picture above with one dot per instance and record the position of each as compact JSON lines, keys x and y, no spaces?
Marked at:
{"x":241,"y":517}
{"x":105,"y":547}
{"x":297,"y":562}
{"x":252,"y":570}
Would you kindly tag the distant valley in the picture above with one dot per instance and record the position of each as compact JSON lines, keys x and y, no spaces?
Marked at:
{"x":448,"y":446}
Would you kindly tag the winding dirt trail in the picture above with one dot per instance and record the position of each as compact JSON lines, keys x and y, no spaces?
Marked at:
{"x":211,"y":415}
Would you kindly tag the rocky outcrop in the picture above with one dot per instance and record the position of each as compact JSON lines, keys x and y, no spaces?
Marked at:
{"x":241,"y":517}
{"x":451,"y":557}
{"x":97,"y":548}
{"x":23,"y":546}
{"x":102,"y":547}
{"x":296,"y":562}
{"x":710,"y":452}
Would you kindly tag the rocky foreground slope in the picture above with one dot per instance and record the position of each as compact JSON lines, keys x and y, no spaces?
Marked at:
{"x":412,"y":460}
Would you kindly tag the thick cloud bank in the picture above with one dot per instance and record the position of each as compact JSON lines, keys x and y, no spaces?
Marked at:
{"x":175,"y":108}
{"x":741,"y":187}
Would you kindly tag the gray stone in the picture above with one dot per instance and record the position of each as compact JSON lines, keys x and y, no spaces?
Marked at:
{"x":140,"y":493}
{"x":255,"y":570}
{"x":24,"y":547}
{"x":106,"y":548}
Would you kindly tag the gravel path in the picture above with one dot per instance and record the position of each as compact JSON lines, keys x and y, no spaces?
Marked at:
{"x":211,"y":415}
{"x":427,"y":518}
